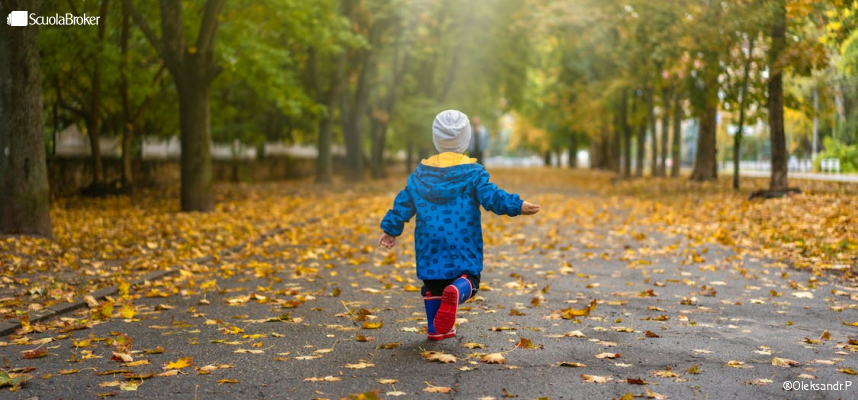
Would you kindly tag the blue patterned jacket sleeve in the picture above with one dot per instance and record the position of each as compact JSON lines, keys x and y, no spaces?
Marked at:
{"x":402,"y":211}
{"x":495,"y":199}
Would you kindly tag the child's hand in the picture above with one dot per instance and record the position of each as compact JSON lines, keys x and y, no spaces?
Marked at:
{"x":528,"y":208}
{"x":386,"y":240}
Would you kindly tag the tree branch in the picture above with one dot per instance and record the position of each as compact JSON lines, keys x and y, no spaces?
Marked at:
{"x":144,"y":26}
{"x":209,"y":27}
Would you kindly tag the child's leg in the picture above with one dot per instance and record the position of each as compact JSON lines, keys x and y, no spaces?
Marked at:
{"x":457,"y":292}
{"x":432,"y":301}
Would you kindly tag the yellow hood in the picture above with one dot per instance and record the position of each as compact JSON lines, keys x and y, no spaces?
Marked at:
{"x":448,"y":159}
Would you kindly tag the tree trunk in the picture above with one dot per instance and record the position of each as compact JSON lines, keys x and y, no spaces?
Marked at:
{"x":194,"y":124}
{"x":546,"y":158}
{"x":93,"y":121}
{"x":409,"y":156}
{"x":127,"y":158}
{"x":92,"y":131}
{"x":776,"y":100}
{"x":573,"y":151}
{"x":653,"y":168}
{"x":641,"y":150}
{"x":639,"y":139}
{"x":611,"y":145}
{"x":676,"y":147}
{"x":706,"y":161}
{"x":24,"y":192}
{"x":665,"y":132}
{"x":353,"y":110}
{"x":627,"y":136}
{"x":127,"y":127}
{"x":378,"y":131}
{"x":737,"y":139}
{"x":324,"y":160}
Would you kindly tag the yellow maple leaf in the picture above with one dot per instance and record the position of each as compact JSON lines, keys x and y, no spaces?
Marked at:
{"x":127,"y":311}
{"x":182,"y":362}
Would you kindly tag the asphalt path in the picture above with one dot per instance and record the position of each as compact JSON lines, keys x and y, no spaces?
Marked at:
{"x":666,"y":303}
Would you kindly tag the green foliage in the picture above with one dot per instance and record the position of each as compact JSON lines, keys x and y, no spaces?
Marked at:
{"x":849,"y":55}
{"x":848,"y":155}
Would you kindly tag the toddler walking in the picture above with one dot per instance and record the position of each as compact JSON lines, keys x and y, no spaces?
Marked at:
{"x":446,"y":192}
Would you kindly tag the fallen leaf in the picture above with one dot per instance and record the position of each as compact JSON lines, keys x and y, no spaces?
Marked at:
{"x":784,"y":362}
{"x":182,"y":362}
{"x":35,"y":353}
{"x":596,"y":378}
{"x":328,"y":378}
{"x":571,"y":364}
{"x":572,"y":313}
{"x":439,"y":356}
{"x":360,"y":365}
{"x":437,"y":389}
{"x":493,"y":358}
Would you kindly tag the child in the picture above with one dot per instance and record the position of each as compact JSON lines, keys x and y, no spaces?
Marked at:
{"x":446,"y":191}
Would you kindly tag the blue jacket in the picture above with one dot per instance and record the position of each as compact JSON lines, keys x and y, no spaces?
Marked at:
{"x":448,"y":236}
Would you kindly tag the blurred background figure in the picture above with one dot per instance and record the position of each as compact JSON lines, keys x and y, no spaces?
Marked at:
{"x":479,"y":140}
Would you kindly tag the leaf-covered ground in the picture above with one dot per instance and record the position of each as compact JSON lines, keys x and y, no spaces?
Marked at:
{"x":639,"y":289}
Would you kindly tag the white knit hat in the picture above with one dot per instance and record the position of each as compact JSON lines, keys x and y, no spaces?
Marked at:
{"x":451,"y":131}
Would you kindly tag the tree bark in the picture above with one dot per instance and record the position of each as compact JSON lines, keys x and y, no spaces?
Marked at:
{"x":611,"y":145}
{"x":706,"y":162}
{"x":737,"y":139}
{"x":627,"y":136}
{"x":573,"y":151}
{"x":127,"y":127}
{"x":776,"y":100}
{"x":653,"y":168}
{"x":641,"y":151}
{"x":676,"y":147}
{"x":93,"y":120}
{"x":665,"y":131}
{"x":640,"y":140}
{"x":194,"y":123}
{"x":324,"y":160}
{"x":24,"y":191}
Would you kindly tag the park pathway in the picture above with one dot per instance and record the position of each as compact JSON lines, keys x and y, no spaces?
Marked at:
{"x":319,"y":312}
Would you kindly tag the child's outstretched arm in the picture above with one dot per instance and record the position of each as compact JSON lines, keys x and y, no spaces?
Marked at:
{"x":499,"y":201}
{"x":394,"y":221}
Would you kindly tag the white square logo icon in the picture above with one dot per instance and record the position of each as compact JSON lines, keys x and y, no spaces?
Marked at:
{"x":17,"y":18}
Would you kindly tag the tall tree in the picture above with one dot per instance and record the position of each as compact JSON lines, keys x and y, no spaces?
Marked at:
{"x":665,"y":130}
{"x":326,"y":96}
{"x":651,"y":122}
{"x":24,"y":191}
{"x":706,"y":99}
{"x":676,"y":145}
{"x":737,"y":139}
{"x":778,"y":179}
{"x":627,"y":135}
{"x":194,"y":69}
